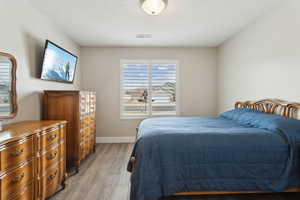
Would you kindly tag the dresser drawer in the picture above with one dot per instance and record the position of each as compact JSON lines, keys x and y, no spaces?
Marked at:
{"x":93,"y":130}
{"x":88,"y":146}
{"x":50,"y":158}
{"x":26,"y":194}
{"x":82,"y":135}
{"x":87,"y":121}
{"x":16,"y":180}
{"x":87,"y":132}
{"x":14,"y":154}
{"x":52,"y":176}
{"x":93,"y":119}
{"x":48,"y":139}
{"x":82,"y":151}
{"x":51,"y":180}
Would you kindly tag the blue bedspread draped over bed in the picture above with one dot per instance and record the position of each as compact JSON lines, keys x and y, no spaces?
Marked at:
{"x":240,"y":150}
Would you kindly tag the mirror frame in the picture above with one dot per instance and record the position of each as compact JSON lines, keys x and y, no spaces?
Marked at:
{"x":13,"y":86}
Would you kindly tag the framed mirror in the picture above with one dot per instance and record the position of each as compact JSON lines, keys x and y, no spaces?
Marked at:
{"x":8,"y":94}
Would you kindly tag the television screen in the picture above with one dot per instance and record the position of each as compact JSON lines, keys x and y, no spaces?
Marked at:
{"x":58,"y":64}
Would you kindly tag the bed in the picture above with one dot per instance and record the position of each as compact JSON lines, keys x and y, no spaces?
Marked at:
{"x":251,"y":149}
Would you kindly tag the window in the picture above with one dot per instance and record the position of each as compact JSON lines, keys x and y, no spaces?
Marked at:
{"x":149,"y":88}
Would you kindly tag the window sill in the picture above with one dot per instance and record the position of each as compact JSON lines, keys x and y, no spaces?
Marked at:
{"x":146,"y":117}
{"x":132,"y":117}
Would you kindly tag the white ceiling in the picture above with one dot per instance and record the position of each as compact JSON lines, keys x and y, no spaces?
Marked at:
{"x":185,"y":23}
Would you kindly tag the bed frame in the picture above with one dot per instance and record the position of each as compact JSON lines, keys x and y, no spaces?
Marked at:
{"x":270,"y":106}
{"x":273,"y":106}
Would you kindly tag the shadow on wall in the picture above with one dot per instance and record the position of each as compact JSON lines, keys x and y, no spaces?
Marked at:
{"x":30,"y":107}
{"x":34,"y":49}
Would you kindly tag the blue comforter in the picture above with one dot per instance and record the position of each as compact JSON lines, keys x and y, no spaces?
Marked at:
{"x":239,"y":150}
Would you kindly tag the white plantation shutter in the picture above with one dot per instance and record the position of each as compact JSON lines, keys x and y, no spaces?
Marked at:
{"x":135,"y":83}
{"x":148,"y":88}
{"x":163,"y":89}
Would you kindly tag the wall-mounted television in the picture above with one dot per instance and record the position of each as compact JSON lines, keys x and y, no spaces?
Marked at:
{"x":58,"y":64}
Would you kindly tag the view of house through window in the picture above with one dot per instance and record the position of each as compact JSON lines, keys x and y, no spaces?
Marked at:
{"x":148,"y":88}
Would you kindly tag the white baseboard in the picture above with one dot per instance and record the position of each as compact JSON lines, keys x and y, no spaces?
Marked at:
{"x":115,"y":139}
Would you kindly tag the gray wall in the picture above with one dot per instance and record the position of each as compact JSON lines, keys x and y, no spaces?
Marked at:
{"x":262,"y":61}
{"x":102,"y":74}
{"x":23,"y":34}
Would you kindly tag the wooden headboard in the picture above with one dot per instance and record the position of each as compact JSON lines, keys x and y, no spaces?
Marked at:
{"x":273,"y":106}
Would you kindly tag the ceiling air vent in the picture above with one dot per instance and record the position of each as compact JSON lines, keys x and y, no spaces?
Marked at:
{"x":144,"y":36}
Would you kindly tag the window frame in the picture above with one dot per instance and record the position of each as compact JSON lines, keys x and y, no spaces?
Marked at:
{"x":149,"y":63}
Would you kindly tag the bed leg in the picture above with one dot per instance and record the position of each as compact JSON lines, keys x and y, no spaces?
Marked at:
{"x":133,"y":162}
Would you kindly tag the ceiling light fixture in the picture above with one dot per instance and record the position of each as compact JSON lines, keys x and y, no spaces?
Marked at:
{"x":154,"y":7}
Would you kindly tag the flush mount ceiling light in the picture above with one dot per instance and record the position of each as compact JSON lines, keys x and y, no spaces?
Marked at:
{"x":154,"y":7}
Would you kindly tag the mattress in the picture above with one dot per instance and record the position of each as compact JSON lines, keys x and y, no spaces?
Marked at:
{"x":240,"y":150}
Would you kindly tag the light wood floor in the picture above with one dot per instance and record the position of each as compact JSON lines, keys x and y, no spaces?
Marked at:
{"x":103,"y":176}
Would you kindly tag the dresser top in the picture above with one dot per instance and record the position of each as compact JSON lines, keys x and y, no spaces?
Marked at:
{"x":19,"y":130}
{"x":68,"y":91}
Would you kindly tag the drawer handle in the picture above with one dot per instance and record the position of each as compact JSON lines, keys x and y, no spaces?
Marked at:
{"x":52,"y":176}
{"x":51,"y":156}
{"x":18,"y":179}
{"x":51,"y":137}
{"x":17,"y":153}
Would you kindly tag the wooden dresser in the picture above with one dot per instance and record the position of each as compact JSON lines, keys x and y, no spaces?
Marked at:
{"x":32,"y":157}
{"x":78,"y":108}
